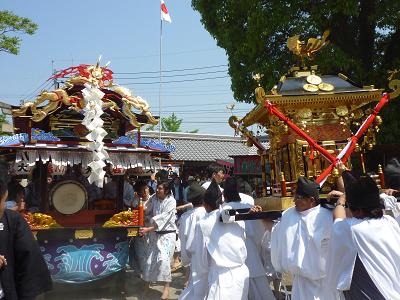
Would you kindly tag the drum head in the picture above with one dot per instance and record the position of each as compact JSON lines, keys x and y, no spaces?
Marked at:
{"x":68,"y":197}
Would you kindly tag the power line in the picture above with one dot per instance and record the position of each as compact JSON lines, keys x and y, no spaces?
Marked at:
{"x":169,"y":76}
{"x":187,"y":95}
{"x":168,"y":71}
{"x":186,"y":87}
{"x":174,"y":81}
{"x":186,"y":105}
{"x":205,"y":122}
{"x":41,"y":87}
{"x":204,"y":110}
{"x":138,"y":56}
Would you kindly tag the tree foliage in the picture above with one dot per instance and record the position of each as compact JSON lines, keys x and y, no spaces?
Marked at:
{"x":171,"y":123}
{"x":10,"y":26}
{"x":3,"y":120}
{"x":365,"y":39}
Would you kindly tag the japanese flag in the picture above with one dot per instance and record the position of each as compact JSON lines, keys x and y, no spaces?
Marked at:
{"x":164,"y":13}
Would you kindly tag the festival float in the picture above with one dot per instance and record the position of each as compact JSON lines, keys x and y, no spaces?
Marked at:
{"x":85,"y":137}
{"x":312,"y":121}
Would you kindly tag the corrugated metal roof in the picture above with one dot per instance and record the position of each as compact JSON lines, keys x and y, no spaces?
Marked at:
{"x":203,"y":147}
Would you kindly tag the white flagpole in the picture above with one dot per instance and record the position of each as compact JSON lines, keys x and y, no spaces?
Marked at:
{"x":159,"y":89}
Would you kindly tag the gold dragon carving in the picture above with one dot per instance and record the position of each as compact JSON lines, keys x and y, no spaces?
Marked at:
{"x":97,"y":76}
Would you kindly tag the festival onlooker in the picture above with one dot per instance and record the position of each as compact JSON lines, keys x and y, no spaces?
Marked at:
{"x":152,"y":183}
{"x":128,"y":196}
{"x":177,"y":190}
{"x":190,"y":180}
{"x":160,"y":211}
{"x":23,"y":271}
{"x":137,"y":245}
{"x":15,"y":199}
{"x":32,"y":192}
{"x":365,"y":257}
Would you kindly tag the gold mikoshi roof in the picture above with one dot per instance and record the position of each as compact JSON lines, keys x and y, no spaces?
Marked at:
{"x":316,"y":92}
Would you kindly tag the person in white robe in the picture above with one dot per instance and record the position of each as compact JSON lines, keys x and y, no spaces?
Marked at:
{"x":247,"y":199}
{"x":222,"y":252}
{"x":197,"y":285}
{"x":160,"y":211}
{"x":258,"y":282}
{"x":390,"y":195}
{"x":392,"y":206}
{"x":365,"y":258}
{"x":215,"y":173}
{"x":300,"y":243}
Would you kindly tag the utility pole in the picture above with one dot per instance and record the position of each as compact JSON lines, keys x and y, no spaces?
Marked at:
{"x":56,"y":85}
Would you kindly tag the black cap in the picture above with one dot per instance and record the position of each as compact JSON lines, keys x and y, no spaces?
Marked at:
{"x":392,"y":174}
{"x":363,"y":193}
{"x":195,"y":194}
{"x":213,"y":195}
{"x":307,"y":188}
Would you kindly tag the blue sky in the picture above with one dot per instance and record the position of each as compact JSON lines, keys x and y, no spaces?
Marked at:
{"x":127,"y":33}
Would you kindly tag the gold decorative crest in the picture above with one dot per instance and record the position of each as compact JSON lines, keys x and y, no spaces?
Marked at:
{"x":303,"y":49}
{"x":82,"y":234}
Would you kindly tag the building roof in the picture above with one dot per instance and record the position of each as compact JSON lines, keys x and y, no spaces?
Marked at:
{"x":203,"y":147}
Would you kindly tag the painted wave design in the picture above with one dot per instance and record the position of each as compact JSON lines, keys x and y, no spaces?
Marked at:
{"x":87,"y":263}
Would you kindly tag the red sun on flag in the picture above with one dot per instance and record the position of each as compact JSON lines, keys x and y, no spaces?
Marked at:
{"x":164,"y":13}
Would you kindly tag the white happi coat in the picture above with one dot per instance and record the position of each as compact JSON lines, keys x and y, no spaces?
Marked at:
{"x":258,"y":282}
{"x":244,"y":198}
{"x":377,"y":244}
{"x":299,"y":246}
{"x":392,"y":205}
{"x":226,"y":255}
{"x":197,"y":287}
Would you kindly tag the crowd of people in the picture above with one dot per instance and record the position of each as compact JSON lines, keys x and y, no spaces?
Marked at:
{"x":348,"y":252}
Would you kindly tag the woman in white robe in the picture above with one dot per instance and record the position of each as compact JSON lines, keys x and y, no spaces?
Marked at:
{"x":160,"y":209}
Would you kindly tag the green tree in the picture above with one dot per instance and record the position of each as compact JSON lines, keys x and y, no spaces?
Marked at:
{"x":10,"y":25}
{"x":170,"y":124}
{"x":365,"y":40}
{"x":3,"y":120}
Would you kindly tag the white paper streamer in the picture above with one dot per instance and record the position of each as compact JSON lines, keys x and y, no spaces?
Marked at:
{"x":93,"y":122}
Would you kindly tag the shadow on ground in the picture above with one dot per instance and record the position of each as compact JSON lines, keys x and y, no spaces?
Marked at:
{"x":123,"y":285}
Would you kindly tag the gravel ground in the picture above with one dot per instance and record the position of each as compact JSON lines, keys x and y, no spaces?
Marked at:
{"x":123,"y":285}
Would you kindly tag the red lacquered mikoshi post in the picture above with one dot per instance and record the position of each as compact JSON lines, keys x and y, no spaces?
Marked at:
{"x":141,"y":213}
